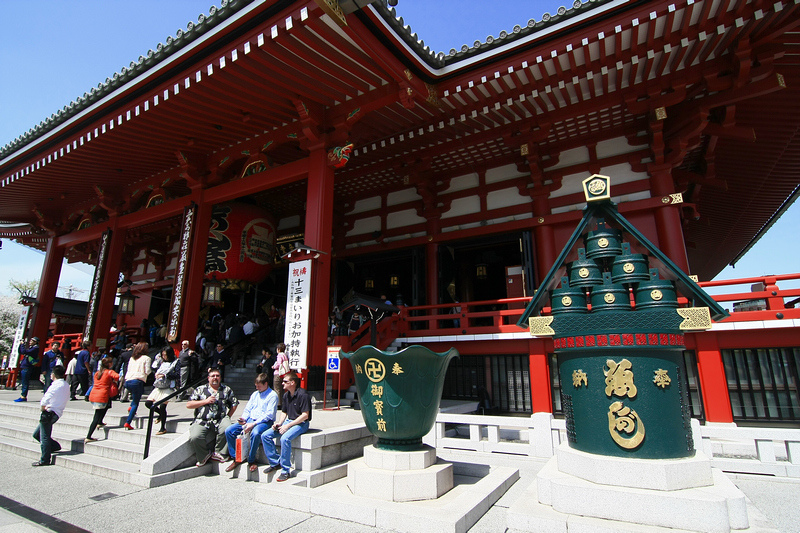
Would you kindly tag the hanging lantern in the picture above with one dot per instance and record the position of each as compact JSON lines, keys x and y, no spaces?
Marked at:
{"x":480,"y":271}
{"x":394,"y":282}
{"x":212,"y":292}
{"x":127,"y":303}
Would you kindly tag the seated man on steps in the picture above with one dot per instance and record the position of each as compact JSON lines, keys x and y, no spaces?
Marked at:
{"x":258,"y":417}
{"x":214,"y":404}
{"x":292,"y":422}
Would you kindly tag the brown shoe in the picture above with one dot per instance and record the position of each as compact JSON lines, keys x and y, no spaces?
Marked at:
{"x":253,"y":467}
{"x":232,"y":466}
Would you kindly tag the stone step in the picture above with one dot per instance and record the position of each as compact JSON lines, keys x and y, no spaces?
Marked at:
{"x":99,"y":465}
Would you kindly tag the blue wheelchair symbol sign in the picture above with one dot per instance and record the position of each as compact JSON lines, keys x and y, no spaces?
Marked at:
{"x":333,"y":364}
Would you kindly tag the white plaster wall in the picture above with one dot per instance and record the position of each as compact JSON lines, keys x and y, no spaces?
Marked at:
{"x":461,"y":183}
{"x":574,"y":156}
{"x":403,"y":218}
{"x":506,"y":172}
{"x":615,"y":146}
{"x":365,"y":225}
{"x":400,"y":197}
{"x":463,"y":206}
{"x":366,"y":204}
{"x":505,"y":198}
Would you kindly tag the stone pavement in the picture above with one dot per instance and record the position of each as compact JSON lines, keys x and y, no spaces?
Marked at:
{"x":58,"y":499}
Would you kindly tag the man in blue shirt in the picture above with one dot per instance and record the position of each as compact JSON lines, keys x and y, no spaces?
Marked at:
{"x":82,"y":367}
{"x":49,"y":360}
{"x":258,"y":417}
{"x":28,"y":358}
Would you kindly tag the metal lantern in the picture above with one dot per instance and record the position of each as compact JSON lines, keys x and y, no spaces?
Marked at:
{"x":481,"y":271}
{"x":212,"y":292}
{"x":127,"y":303}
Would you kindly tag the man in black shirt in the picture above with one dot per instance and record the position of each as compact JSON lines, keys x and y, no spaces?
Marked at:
{"x":187,"y":360}
{"x":292,"y":422}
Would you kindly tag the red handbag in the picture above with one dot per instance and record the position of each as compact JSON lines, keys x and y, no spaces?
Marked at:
{"x":113,"y":390}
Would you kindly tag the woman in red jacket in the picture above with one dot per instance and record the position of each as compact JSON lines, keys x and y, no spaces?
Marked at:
{"x":101,"y":395}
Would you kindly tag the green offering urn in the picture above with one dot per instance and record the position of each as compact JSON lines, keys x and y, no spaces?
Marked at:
{"x":399,"y":392}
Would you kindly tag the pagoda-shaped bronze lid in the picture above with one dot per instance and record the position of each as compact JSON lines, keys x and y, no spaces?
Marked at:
{"x":654,"y":290}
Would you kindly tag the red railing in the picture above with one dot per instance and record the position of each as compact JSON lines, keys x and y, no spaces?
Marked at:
{"x":501,"y":316}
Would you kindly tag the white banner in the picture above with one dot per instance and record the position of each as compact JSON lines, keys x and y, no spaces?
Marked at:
{"x":298,"y":303}
{"x":13,"y":360}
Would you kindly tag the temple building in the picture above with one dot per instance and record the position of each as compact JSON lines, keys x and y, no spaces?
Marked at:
{"x":277,"y":133}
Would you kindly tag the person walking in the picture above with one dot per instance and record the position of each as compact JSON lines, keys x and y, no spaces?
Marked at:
{"x":135,"y":378}
{"x":50,"y":360}
{"x":82,"y":368}
{"x":101,"y":395}
{"x":163,"y":386}
{"x":280,"y":368}
{"x":28,"y":358}
{"x":72,"y":379}
{"x":53,"y":403}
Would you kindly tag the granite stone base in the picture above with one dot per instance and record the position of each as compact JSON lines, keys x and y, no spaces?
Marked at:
{"x":399,"y":476}
{"x":623,"y":494}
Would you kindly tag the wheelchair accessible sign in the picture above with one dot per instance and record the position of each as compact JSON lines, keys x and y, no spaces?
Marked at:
{"x":333,"y":359}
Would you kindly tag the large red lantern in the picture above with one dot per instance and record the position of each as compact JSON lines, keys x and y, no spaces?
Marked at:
{"x":241,"y":245}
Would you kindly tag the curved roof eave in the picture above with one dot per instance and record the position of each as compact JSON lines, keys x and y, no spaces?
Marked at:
{"x":440,"y":65}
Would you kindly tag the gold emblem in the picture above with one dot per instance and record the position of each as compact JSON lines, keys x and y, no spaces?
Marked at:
{"x":662,"y":379}
{"x":540,"y":325}
{"x":375,"y":370}
{"x":656,"y":295}
{"x":583,"y":272}
{"x":597,"y":186}
{"x":619,"y":379}
{"x":566,"y":301}
{"x":578,"y":377}
{"x":628,"y":268}
{"x":602,"y":242}
{"x":624,"y":420}
{"x":694,"y":318}
{"x":609,"y":298}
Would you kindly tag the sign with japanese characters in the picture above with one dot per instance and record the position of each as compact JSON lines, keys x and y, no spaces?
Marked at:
{"x":298,"y":303}
{"x":19,"y":336}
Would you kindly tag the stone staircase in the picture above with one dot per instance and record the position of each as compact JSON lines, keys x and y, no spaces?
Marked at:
{"x":116,"y":455}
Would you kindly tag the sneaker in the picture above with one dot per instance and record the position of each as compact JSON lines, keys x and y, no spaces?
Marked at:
{"x":101,"y":425}
{"x":88,"y":440}
{"x":21,"y":399}
{"x":204,"y":461}
{"x":39,"y":463}
{"x":271,"y":469}
{"x":217,"y":457}
{"x":284,"y":476}
{"x":127,"y":426}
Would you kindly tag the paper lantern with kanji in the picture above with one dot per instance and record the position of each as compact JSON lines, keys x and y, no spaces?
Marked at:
{"x":241,"y":245}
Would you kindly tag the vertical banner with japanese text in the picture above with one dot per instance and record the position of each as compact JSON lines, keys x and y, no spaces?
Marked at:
{"x":19,"y":336}
{"x":97,"y":285}
{"x":298,"y":302}
{"x":180,"y":272}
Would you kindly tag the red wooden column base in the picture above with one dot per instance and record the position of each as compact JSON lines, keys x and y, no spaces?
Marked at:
{"x":539,"y":363}
{"x":714,"y":386}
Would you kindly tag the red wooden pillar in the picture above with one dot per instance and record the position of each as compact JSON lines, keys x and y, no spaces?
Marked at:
{"x":195,"y":274}
{"x":713,"y":384}
{"x":668,"y":219}
{"x":48,"y":285}
{"x":545,"y":245}
{"x":432,"y":273}
{"x":318,"y":235}
{"x":539,"y":363}
{"x":108,"y":289}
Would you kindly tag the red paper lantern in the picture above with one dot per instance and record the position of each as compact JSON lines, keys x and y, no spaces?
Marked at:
{"x":241,"y":245}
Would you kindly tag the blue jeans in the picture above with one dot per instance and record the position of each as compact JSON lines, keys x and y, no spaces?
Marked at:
{"x":42,"y":434}
{"x":285,"y":459}
{"x":235,"y":429}
{"x":136,"y":386}
{"x":24,"y":380}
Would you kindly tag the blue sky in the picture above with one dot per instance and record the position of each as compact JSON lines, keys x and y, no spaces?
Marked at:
{"x":52,"y":51}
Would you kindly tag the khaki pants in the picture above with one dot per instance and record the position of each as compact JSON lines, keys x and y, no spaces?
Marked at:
{"x":202,"y":439}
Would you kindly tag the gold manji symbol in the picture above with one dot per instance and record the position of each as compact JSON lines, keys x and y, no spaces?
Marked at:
{"x":609,"y":298}
{"x":628,"y":268}
{"x":566,"y":301}
{"x":374,"y":370}
{"x":602,"y":242}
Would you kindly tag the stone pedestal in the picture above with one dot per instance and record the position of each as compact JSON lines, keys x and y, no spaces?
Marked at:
{"x":399,"y":476}
{"x":621,"y":494}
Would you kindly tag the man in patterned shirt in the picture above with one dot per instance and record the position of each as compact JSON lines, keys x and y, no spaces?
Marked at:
{"x":214,"y":404}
